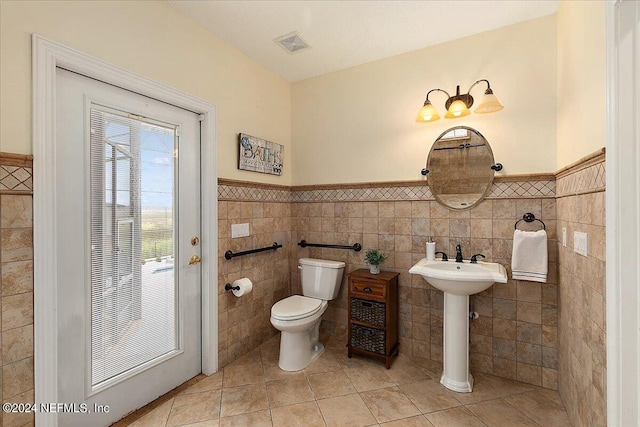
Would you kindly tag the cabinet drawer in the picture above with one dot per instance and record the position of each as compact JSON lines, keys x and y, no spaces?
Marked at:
{"x":368,"y":339}
{"x":368,"y":312}
{"x":367,"y":288}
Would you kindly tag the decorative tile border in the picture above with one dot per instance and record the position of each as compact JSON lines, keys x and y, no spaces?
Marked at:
{"x":531,"y":186}
{"x":16,"y":174}
{"x":373,"y":193}
{"x":587,"y":180}
{"x":588,"y":175}
{"x":231,"y":190}
{"x":546,"y":188}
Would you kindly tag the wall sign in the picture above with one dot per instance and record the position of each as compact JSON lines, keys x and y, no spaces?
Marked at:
{"x":258,"y":155}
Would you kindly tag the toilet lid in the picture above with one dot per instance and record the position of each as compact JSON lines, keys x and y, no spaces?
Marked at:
{"x":295,"y":307}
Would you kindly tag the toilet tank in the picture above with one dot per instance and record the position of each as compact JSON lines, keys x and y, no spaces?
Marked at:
{"x":320,"y":278}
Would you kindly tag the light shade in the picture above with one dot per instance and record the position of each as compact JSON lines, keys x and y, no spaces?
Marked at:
{"x":488,"y":104}
{"x":457,"y":109}
{"x":428,"y":113}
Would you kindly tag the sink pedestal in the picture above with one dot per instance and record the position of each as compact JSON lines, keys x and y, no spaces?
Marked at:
{"x":458,"y":280}
{"x":455,"y":372}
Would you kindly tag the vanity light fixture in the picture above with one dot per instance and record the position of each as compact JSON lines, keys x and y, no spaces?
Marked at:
{"x":459,"y":104}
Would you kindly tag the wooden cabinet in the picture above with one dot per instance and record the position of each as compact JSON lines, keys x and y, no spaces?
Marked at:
{"x":373,"y":314}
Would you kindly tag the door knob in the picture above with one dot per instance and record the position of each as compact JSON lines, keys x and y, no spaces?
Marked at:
{"x":195,"y":259}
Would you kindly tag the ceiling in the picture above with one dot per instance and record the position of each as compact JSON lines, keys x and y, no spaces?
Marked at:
{"x":344,"y":34}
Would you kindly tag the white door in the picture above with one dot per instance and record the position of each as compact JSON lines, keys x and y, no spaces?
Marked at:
{"x":128,"y":229}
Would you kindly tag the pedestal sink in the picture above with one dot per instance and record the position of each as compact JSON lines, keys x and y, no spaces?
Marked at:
{"x":458,"y":280}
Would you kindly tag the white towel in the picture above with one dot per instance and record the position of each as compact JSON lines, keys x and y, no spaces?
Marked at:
{"x":529,"y":258}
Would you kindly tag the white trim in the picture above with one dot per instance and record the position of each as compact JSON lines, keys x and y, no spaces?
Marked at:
{"x":612,"y":296}
{"x":611,"y":291}
{"x":623,"y":213}
{"x":209,"y":201}
{"x":45,"y":298}
{"x":47,"y":55}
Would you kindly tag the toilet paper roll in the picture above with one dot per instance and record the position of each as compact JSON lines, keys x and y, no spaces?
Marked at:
{"x":245,"y":286}
{"x":431,"y":251}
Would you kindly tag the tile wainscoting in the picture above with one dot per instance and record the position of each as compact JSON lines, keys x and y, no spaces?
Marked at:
{"x":16,"y":274}
{"x":244,"y":322}
{"x":582,"y":321}
{"x":516,"y":334}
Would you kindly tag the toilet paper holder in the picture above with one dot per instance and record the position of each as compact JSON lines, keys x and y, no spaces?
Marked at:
{"x":229,"y":287}
{"x":239,"y":287}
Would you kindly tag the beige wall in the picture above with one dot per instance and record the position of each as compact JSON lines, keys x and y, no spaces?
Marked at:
{"x":365,"y":112}
{"x":358,"y":125}
{"x":153,"y":40}
{"x":581,"y":79}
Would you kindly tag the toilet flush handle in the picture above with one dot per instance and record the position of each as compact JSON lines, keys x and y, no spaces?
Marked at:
{"x":299,"y":267}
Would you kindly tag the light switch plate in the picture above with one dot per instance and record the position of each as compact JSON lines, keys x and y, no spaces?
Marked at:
{"x":239,"y":230}
{"x":580,"y":243}
{"x":564,"y":236}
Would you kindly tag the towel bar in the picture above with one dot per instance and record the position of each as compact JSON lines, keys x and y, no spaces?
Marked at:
{"x":355,"y":247}
{"x":529,"y":217}
{"x":229,"y":254}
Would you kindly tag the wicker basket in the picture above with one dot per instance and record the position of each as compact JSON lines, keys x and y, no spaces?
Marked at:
{"x":368,"y":312}
{"x":368,"y":339}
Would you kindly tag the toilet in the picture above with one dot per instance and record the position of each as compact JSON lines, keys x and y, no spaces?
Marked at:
{"x":298,"y":317}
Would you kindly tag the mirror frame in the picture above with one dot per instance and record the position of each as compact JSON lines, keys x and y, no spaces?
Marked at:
{"x":430,"y":171}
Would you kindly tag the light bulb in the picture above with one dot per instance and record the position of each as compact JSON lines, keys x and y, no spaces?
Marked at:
{"x":428,"y":113}
{"x":457,"y":109}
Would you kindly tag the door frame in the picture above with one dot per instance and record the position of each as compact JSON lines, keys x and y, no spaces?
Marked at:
{"x":623,"y":212}
{"x":48,"y":55}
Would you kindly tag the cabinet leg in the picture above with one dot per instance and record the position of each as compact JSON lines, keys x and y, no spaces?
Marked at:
{"x":349,"y":353}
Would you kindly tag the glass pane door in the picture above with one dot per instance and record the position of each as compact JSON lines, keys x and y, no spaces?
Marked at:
{"x":133,"y":241}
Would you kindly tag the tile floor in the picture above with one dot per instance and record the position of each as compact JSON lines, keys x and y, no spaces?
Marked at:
{"x":338,"y":391}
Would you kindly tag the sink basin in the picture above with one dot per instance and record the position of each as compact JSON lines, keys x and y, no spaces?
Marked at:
{"x":460,"y":278}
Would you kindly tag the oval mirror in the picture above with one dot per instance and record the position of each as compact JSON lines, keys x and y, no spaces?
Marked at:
{"x":459,"y":165}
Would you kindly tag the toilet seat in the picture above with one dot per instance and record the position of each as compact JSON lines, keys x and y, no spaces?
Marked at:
{"x":295,"y":307}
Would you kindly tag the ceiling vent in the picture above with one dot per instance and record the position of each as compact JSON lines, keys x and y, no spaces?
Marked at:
{"x":292,"y":42}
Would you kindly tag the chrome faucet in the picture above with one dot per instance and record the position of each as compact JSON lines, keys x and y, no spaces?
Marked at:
{"x":458,"y":253}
